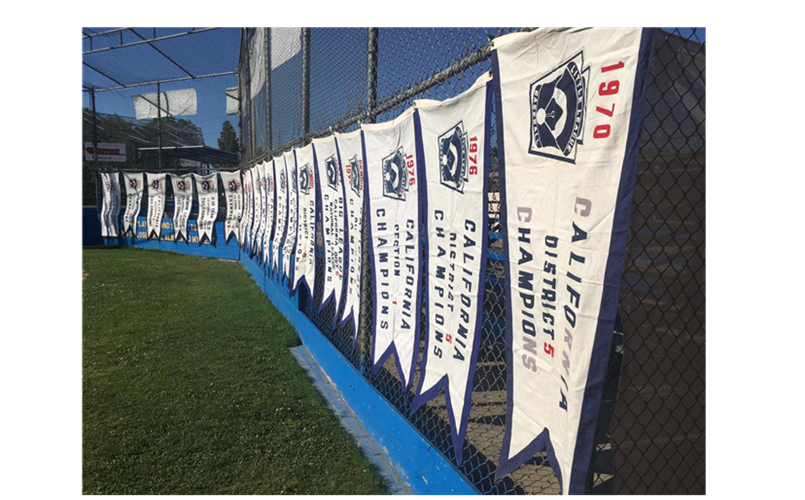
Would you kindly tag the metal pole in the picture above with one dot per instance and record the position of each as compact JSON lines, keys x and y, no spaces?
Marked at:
{"x":305,"y":82}
{"x":95,"y":148}
{"x":241,"y":142}
{"x":269,"y":141}
{"x":371,"y":74}
{"x":159,"y":125}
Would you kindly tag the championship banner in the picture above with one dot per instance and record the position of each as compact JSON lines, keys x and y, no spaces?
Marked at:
{"x":305,"y":252}
{"x":268,"y":212}
{"x":350,"y":153}
{"x":249,"y":229}
{"x":455,"y":143}
{"x":258,"y":209}
{"x":570,"y":103}
{"x":156,"y":204}
{"x":182,"y":203}
{"x":110,"y":205}
{"x":331,"y":201}
{"x":134,"y":196}
{"x":233,"y":193}
{"x":393,"y":218}
{"x":290,"y":237}
{"x":207,"y":205}
{"x":281,"y":224}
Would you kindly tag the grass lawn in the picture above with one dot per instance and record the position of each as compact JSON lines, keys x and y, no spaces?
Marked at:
{"x":189,"y":387}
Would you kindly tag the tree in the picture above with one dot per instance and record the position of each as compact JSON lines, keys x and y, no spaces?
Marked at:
{"x":229,"y":139}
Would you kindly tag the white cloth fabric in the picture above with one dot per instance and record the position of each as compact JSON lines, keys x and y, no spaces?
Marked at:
{"x":566,"y":108}
{"x":454,"y":143}
{"x":156,"y":203}
{"x":207,"y":186}
{"x":393,"y":218}
{"x":182,"y":203}
{"x":134,"y":195}
{"x":331,"y":201}
{"x":233,"y":193}
{"x":305,"y":253}
{"x":110,"y":205}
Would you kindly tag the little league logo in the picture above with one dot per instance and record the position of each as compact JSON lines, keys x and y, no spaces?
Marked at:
{"x":305,"y":179}
{"x":332,"y":173}
{"x":453,"y":158}
{"x":110,"y":187}
{"x":355,"y":175}
{"x":156,"y":185}
{"x":234,"y":186}
{"x":395,"y":176}
{"x":134,"y":183}
{"x":282,"y":180}
{"x":207,"y":185}
{"x":558,"y":110}
{"x":181,"y":185}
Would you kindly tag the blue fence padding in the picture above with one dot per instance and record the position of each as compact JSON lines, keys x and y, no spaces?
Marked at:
{"x":91,"y":227}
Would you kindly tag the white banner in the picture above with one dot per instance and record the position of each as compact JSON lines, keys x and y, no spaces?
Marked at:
{"x":290,"y":237}
{"x":182,"y":203}
{"x":350,"y":152}
{"x":134,"y":196}
{"x":331,"y":190}
{"x":233,"y":192}
{"x":281,"y":222}
{"x":393,"y":218}
{"x":455,"y":165}
{"x":570,"y":101}
{"x":268,"y":213}
{"x":258,"y":209}
{"x":110,"y":205}
{"x":156,"y":203}
{"x":247,"y":210}
{"x":253,"y":189}
{"x":305,"y":253}
{"x":207,"y":205}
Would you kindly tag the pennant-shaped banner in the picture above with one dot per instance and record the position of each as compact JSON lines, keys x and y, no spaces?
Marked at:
{"x":393,"y":218}
{"x":110,"y":205}
{"x":156,"y":203}
{"x":305,"y":253}
{"x":454,"y":152}
{"x":290,"y":238}
{"x":182,"y":203}
{"x":281,"y":224}
{"x":233,"y":193}
{"x":134,"y":196}
{"x":350,"y":153}
{"x":331,"y":200}
{"x":268,"y":213}
{"x":259,"y":204}
{"x":207,"y":205}
{"x":570,"y":102}
{"x":248,"y":233}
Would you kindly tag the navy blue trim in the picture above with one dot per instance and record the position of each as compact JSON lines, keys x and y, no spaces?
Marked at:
{"x":353,"y":315}
{"x":292,"y":263}
{"x":612,"y":277}
{"x":303,"y":279}
{"x":603,"y":335}
{"x":392,"y":348}
{"x":458,"y":428}
{"x":542,"y":441}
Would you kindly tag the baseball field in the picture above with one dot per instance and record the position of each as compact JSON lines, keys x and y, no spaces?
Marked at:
{"x":189,"y":387}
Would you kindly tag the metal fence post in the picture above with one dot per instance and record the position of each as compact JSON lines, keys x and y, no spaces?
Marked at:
{"x":269,"y":141}
{"x":159,"y":126}
{"x":305,"y":84}
{"x":95,"y":147}
{"x":371,"y":74}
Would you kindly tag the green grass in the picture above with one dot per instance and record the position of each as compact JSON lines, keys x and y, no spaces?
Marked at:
{"x":189,"y":386}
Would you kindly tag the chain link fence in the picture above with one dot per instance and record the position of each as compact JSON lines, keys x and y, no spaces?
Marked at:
{"x":651,"y":429}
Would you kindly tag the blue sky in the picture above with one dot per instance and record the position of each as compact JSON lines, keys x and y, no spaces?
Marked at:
{"x":334,"y":51}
